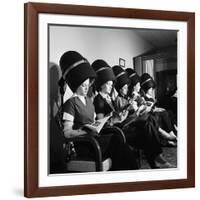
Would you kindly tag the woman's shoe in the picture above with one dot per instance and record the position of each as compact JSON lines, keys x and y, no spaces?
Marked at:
{"x":171,"y":143}
{"x":172,"y":136}
{"x":168,"y":136}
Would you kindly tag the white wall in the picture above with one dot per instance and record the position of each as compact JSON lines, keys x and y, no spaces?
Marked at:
{"x":11,"y":101}
{"x":94,"y":43}
{"x":97,"y":43}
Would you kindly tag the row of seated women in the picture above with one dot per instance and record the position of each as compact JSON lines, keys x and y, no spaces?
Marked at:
{"x":100,"y":90}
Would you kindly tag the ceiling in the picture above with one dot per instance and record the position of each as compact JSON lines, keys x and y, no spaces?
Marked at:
{"x":158,"y":38}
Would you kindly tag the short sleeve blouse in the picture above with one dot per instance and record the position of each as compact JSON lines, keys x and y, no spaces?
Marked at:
{"x":83,"y":114}
{"x":101,"y":105}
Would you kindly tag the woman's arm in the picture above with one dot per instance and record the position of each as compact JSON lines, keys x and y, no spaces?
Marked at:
{"x":70,"y":132}
{"x":134,"y":105}
{"x":68,"y":126}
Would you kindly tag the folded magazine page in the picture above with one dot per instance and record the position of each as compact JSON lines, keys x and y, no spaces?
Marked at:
{"x":97,"y":125}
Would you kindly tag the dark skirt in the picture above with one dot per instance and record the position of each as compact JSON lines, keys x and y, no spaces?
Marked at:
{"x":143,"y":134}
{"x":164,"y":120}
{"x":113,"y":144}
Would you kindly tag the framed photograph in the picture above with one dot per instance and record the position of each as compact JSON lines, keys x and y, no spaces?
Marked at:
{"x":122,"y":62}
{"x":161,"y":43}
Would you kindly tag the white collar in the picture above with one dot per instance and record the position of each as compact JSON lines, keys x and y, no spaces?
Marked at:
{"x":136,"y":93}
{"x":104,"y":95}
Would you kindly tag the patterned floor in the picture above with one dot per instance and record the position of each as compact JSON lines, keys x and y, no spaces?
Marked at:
{"x":170,"y":153}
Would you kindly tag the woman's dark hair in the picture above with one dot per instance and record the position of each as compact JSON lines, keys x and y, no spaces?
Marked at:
{"x":134,"y":79}
{"x":130,"y":89}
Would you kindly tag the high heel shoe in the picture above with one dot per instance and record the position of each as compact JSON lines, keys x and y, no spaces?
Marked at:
{"x":172,"y":136}
{"x":171,"y":143}
{"x":168,"y":136}
{"x":175,"y":127}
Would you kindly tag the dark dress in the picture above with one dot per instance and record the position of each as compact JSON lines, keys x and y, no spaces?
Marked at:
{"x":163,"y":118}
{"x":129,"y":154}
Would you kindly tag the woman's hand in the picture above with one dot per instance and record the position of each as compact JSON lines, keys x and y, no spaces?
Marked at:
{"x":133,"y":105}
{"x":118,"y":117}
{"x":123,"y":116}
{"x":148,"y":108}
{"x":142,"y":109}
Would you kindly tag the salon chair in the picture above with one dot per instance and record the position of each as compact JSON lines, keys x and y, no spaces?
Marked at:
{"x":90,"y":163}
{"x":76,"y":163}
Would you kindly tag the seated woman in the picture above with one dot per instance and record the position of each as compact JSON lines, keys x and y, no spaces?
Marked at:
{"x":141,"y":133}
{"x":104,"y":85}
{"x":104,"y":104}
{"x":166,"y":127}
{"x":79,"y":109}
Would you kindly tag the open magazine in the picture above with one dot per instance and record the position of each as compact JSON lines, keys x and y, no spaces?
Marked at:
{"x":141,"y":114}
{"x":96,"y":126}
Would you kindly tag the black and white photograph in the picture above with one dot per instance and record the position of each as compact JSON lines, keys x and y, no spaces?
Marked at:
{"x":107,"y":113}
{"x":108,"y":100}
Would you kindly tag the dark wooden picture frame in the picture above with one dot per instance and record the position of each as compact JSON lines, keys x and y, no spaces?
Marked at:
{"x":31,"y":104}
